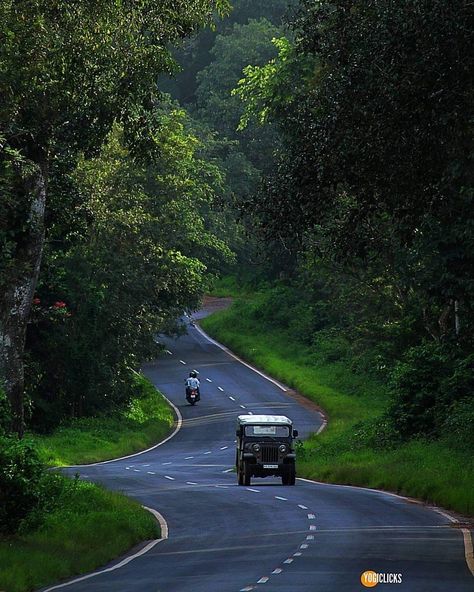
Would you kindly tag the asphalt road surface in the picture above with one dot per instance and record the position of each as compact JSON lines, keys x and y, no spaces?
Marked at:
{"x":226,"y":538}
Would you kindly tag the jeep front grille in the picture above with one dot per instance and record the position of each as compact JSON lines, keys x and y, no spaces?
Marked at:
{"x":269,"y":453}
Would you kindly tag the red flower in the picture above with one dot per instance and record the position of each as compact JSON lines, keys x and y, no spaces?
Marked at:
{"x":36,"y":301}
{"x":59,"y":304}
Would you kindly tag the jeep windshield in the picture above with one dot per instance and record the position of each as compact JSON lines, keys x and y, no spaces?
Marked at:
{"x":273,"y":431}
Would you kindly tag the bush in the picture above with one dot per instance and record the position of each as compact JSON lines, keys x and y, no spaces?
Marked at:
{"x":21,"y":473}
{"x":5,"y":412}
{"x":330,"y":346}
{"x":459,"y":424}
{"x":426,"y":384}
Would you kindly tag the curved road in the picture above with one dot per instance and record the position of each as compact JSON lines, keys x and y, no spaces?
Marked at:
{"x":225,"y":538}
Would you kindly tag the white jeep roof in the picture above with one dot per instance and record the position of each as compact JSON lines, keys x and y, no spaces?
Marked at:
{"x":258,"y":419}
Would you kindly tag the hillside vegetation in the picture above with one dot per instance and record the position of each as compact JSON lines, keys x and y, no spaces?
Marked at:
{"x":361,"y":444}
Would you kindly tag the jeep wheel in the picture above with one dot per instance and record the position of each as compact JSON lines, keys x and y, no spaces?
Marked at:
{"x":289,"y":476}
{"x":246,"y":474}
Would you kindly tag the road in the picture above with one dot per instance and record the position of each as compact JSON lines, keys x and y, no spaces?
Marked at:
{"x":226,"y":538}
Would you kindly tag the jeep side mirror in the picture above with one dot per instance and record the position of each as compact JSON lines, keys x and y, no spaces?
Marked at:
{"x":295,"y":433}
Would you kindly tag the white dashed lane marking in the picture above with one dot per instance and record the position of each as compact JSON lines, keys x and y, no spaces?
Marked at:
{"x":255,"y":490}
{"x":166,"y":463}
{"x":169,"y":352}
{"x":283,"y":499}
{"x":288,"y":561}
{"x":304,"y":546}
{"x":312,"y":527}
{"x":224,"y":447}
{"x":183,"y":362}
{"x":189,"y":457}
{"x":127,"y":468}
{"x":208,"y":452}
{"x":190,"y":483}
{"x":170,"y":478}
{"x":311,"y":516}
{"x":277,"y":571}
{"x":136,"y":470}
{"x":232,"y":398}
{"x":243,"y":407}
{"x":220,"y":388}
{"x":247,"y":589}
{"x":310,"y":537}
{"x":208,"y":380}
{"x":228,"y":471}
{"x":297,"y":554}
{"x":151,"y":473}
{"x":302,"y":507}
{"x":263,"y":580}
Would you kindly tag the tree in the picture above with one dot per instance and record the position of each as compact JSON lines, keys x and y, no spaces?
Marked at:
{"x":125,"y":271}
{"x":66,"y":73}
{"x":376,"y":172}
{"x":246,"y":44}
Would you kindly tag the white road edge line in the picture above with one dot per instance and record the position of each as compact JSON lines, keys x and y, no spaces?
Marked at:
{"x":468,"y":544}
{"x":148,"y":547}
{"x":227,"y":351}
{"x":179,"y":425}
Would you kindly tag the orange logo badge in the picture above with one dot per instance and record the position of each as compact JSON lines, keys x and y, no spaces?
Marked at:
{"x":369,"y":579}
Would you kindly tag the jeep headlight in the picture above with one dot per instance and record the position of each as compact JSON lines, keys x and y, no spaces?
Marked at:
{"x":256,"y":447}
{"x":283,"y":448}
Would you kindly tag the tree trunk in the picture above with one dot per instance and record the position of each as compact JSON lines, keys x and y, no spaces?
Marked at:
{"x":15,"y":302}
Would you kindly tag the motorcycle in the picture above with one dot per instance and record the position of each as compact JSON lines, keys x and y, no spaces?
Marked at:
{"x":192,"y":395}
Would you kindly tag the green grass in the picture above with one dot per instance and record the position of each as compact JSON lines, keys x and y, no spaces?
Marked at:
{"x":92,"y":527}
{"x":435,"y":472}
{"x":149,"y":420}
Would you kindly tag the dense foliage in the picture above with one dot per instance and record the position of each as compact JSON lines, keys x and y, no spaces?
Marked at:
{"x":68,"y":74}
{"x":374,"y":191}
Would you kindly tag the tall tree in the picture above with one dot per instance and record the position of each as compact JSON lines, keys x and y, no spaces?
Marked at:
{"x":67,"y":71}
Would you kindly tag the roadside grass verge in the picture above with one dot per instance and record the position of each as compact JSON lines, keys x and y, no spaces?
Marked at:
{"x":437,"y":472}
{"x":84,"y":526}
{"x":92,"y":527}
{"x":148,"y":420}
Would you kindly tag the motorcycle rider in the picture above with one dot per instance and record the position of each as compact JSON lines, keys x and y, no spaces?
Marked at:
{"x":193,"y":383}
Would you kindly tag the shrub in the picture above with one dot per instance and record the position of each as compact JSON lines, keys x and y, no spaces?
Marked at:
{"x":416,"y":383}
{"x":20,"y":475}
{"x":5,"y":412}
{"x":459,"y":424}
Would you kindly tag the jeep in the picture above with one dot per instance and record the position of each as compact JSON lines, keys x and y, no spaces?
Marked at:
{"x":265,"y":448}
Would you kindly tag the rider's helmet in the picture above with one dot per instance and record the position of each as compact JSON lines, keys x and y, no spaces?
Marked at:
{"x":192,"y":374}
